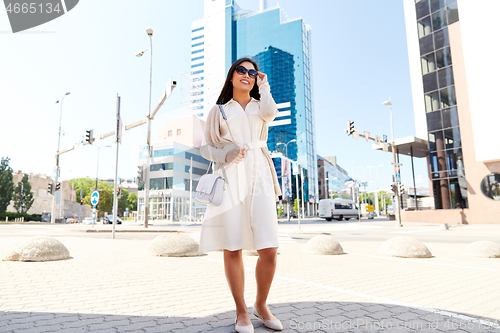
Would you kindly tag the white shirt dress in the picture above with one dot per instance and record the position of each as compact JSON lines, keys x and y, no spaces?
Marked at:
{"x":247,"y":217}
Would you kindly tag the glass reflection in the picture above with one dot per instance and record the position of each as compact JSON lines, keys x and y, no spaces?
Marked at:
{"x":443,"y":57}
{"x":424,"y":27}
{"x":434,"y":121}
{"x":432,"y":102}
{"x":490,"y":186}
{"x":450,"y":117}
{"x":439,"y":20}
{"x":452,"y":13}
{"x":448,"y":97}
{"x":452,"y":138}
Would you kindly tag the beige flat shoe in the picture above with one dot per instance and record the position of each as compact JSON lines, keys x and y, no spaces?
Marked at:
{"x":243,"y":329}
{"x":272,"y":324}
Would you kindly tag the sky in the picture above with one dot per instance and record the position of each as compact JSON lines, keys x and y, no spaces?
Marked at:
{"x":359,"y":60}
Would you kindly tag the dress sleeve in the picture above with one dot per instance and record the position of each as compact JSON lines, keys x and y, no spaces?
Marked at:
{"x":268,"y":108}
{"x":211,"y":135}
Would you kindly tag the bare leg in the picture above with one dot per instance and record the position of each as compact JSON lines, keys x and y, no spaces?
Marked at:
{"x":235,"y":276}
{"x":264,"y":274}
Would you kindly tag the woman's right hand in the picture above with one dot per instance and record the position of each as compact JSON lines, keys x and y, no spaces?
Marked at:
{"x":235,"y":155}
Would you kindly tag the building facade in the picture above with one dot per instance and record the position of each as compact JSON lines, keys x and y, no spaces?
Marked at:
{"x":447,"y":45}
{"x":282,"y":49}
{"x":331,"y":177}
{"x":171,"y":182}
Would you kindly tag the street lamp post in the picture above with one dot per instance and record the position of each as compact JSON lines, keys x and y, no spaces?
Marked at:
{"x":286,"y":155}
{"x":148,"y":140}
{"x":393,"y":146}
{"x":53,"y":214}
{"x":326,"y":189}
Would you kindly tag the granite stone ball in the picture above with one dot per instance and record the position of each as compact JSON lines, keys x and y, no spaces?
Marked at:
{"x":173,"y":245}
{"x":483,"y":249}
{"x":38,"y":248}
{"x":404,"y":247}
{"x":323,"y":244}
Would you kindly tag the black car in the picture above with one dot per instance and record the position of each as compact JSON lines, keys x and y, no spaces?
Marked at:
{"x":109,"y":220}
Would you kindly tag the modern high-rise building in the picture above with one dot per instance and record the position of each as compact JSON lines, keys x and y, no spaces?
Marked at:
{"x":453,"y":77}
{"x":282,"y":49}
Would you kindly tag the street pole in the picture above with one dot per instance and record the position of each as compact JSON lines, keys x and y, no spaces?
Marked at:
{"x":398,"y":209}
{"x":117,"y":142}
{"x":297,"y":190}
{"x":302,"y":191}
{"x":148,"y":142}
{"x":53,"y":214}
{"x":191,"y":191}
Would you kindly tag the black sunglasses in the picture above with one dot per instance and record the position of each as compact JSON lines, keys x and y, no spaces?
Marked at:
{"x":242,"y":70}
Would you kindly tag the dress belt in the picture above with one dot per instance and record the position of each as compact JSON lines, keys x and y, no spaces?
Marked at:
{"x":256,"y":144}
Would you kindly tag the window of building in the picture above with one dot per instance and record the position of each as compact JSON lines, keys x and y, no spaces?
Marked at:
{"x":437,"y":5}
{"x":432,"y":102}
{"x":422,"y":8}
{"x":197,"y":37}
{"x":443,"y":57}
{"x":434,"y":121}
{"x":198,"y":29}
{"x":197,"y":65}
{"x":424,"y":26}
{"x":178,"y":131}
{"x":197,"y":44}
{"x":426,"y":44}
{"x":197,"y":51}
{"x":445,"y":77}
{"x":430,"y":82}
{"x":452,"y":138}
{"x":428,"y":63}
{"x":452,"y":13}
{"x":197,"y":58}
{"x":169,"y":133}
{"x":448,"y":97}
{"x":439,"y":20}
{"x":450,"y":117}
{"x":441,"y":38}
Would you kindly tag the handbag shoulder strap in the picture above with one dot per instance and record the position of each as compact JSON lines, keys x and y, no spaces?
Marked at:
{"x":225,"y":118}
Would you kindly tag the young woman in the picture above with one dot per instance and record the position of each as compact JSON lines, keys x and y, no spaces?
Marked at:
{"x":246,"y":219}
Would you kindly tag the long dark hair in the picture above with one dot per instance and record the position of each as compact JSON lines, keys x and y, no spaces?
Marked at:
{"x":227,"y":91}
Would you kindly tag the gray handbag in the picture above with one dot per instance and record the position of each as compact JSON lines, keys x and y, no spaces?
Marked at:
{"x":211,"y":186}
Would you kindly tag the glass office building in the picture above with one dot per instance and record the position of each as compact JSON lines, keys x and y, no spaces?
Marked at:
{"x":445,"y":145}
{"x":282,"y":49}
{"x":170,"y":182}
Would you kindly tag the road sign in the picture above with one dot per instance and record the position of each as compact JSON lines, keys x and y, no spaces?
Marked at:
{"x":145,"y":152}
{"x":398,"y":178}
{"x":384,"y":138}
{"x":287,"y":193}
{"x":370,"y":208}
{"x":94,"y":198}
{"x":366,"y":135}
{"x":377,"y":139}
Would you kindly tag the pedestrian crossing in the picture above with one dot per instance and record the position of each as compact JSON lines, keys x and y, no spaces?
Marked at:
{"x":282,"y":238}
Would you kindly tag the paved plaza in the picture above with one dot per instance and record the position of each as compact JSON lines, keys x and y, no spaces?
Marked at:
{"x":112,"y":285}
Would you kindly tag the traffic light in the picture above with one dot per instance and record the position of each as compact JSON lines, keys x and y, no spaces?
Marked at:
{"x":394,"y":189}
{"x":119,"y":192}
{"x":49,"y":188}
{"x":140,"y":174}
{"x":350,"y":127}
{"x":89,"y":136}
{"x":81,"y":202}
{"x":58,"y":186}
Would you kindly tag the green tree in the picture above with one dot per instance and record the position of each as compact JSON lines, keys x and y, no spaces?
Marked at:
{"x":280,"y":210}
{"x":23,"y":198}
{"x":85,"y":184}
{"x":296,"y":202}
{"x":123,"y":202}
{"x":6,"y":184}
{"x":132,"y":201}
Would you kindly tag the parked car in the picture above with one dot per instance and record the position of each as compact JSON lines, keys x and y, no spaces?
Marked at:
{"x":338,"y":209}
{"x":71,"y":220}
{"x":109,"y":220}
{"x":371,"y":215}
{"x":88,"y":220}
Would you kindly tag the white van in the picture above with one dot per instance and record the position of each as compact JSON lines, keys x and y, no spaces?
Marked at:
{"x":338,"y":209}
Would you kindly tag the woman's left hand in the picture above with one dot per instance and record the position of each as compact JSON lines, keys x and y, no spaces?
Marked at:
{"x":261,"y":79}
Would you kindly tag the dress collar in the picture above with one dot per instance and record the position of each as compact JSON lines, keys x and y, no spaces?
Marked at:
{"x":232,"y":100}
